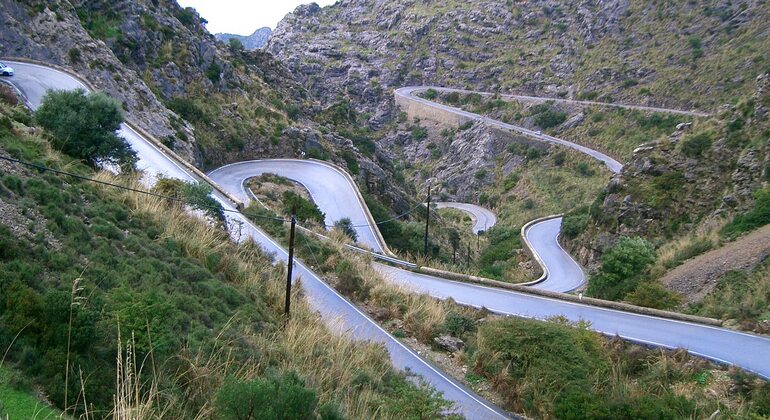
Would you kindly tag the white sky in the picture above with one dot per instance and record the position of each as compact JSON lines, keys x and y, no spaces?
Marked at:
{"x":243,"y":17}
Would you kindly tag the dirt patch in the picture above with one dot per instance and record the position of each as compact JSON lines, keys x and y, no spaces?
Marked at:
{"x":698,"y":276}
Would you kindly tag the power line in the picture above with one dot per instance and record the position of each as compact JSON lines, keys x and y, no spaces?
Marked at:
{"x":177,"y":199}
{"x":123,"y":187}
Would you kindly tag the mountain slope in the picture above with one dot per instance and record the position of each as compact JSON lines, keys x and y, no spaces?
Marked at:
{"x":255,"y":41}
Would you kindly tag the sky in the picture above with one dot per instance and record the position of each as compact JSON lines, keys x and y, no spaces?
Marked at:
{"x":243,"y":17}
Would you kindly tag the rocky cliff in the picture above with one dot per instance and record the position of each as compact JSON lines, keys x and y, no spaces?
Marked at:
{"x":681,"y":54}
{"x":213,"y":103}
{"x":700,"y":173}
{"x":255,"y":41}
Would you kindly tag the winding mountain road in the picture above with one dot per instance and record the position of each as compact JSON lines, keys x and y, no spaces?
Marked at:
{"x":483,"y":219}
{"x":732,"y":347}
{"x":340,"y":314}
{"x":409,"y":93}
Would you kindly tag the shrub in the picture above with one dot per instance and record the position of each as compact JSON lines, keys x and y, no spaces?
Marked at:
{"x":83,"y":126}
{"x":431,"y":94}
{"x":546,"y":116}
{"x":419,"y":133}
{"x":457,"y":324}
{"x":214,"y":72}
{"x":305,"y":209}
{"x":188,"y":109}
{"x":548,"y":358}
{"x":559,"y":158}
{"x":345,"y":225}
{"x":695,"y":145}
{"x":235,"y":44}
{"x":622,"y":268}
{"x":510,"y":181}
{"x":282,"y":397}
{"x":752,"y":219}
{"x":350,"y":283}
{"x":574,"y":224}
{"x":653,"y":295}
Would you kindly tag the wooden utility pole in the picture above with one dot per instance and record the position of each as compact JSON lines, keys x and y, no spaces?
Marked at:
{"x":427,"y":222}
{"x":290,"y":267}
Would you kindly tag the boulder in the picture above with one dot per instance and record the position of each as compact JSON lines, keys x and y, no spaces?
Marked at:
{"x":449,"y":343}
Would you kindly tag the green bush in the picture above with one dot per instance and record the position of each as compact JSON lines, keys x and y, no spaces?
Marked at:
{"x":695,"y":145}
{"x":457,"y":324}
{"x":510,"y":181}
{"x":269,"y":398}
{"x":345,"y":225}
{"x":652,"y":295}
{"x":188,"y":109}
{"x":419,"y":133}
{"x":623,"y":267}
{"x":305,"y":210}
{"x":214,"y":72}
{"x":83,"y":126}
{"x":546,"y":116}
{"x":752,"y":219}
{"x":350,"y":281}
{"x":431,"y":94}
{"x":551,"y":358}
{"x":575,"y":223}
{"x":502,"y":242}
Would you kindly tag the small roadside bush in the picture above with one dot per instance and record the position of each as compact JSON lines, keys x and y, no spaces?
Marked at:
{"x":431,"y":94}
{"x":652,"y":295}
{"x":306,"y":210}
{"x":282,"y":397}
{"x":458,"y":324}
{"x":345,"y":225}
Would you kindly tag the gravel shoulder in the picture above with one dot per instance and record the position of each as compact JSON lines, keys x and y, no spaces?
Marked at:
{"x":698,"y":276}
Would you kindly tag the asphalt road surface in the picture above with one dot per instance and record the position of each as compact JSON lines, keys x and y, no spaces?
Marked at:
{"x":563,"y":273}
{"x":410,"y":93}
{"x":483,"y":219}
{"x":340,"y":314}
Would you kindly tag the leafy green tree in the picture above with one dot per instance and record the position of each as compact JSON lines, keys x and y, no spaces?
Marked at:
{"x":305,"y":209}
{"x":622,"y":268}
{"x":83,"y":126}
{"x":274,"y":398}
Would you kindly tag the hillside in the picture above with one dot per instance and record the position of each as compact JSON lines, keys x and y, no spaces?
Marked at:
{"x":705,"y":56}
{"x":255,"y":41}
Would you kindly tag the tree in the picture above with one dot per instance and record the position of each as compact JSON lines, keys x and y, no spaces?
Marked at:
{"x":235,"y":44}
{"x":622,"y":268}
{"x":83,"y":126}
{"x":345,"y":225}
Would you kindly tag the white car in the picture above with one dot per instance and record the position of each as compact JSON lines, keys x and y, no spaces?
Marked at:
{"x":539,"y":133}
{"x":5,"y":70}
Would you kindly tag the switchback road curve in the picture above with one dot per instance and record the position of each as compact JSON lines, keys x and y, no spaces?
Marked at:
{"x":34,"y":80}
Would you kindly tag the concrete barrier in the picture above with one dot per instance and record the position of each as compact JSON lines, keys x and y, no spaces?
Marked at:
{"x":138,"y":130}
{"x":620,"y":306}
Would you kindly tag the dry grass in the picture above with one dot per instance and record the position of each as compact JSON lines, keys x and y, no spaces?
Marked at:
{"x":671,"y":253}
{"x":340,"y":369}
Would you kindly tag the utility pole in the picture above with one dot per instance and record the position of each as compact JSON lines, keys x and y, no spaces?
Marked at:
{"x":427,"y":222}
{"x":291,"y":261}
